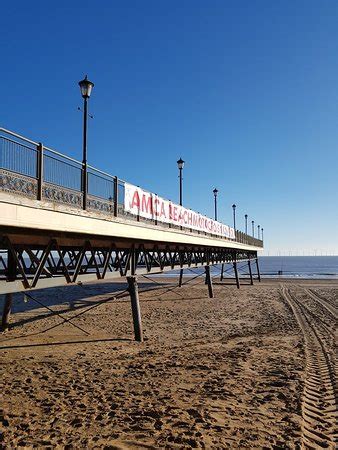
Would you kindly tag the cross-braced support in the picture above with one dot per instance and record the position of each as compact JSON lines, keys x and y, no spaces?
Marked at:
{"x":57,"y":261}
{"x":208,"y":281}
{"x":135,"y":307}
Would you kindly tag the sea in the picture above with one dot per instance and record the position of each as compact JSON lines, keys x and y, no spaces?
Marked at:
{"x":299,"y":266}
{"x":319,"y":267}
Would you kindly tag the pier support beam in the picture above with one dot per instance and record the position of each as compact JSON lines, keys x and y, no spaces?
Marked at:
{"x":222,"y":272}
{"x":180,"y":278}
{"x":6,"y":311}
{"x":11,"y":274}
{"x":208,"y":281}
{"x":258,"y":272}
{"x":135,"y":307}
{"x":250,"y":272}
{"x":236,"y":274}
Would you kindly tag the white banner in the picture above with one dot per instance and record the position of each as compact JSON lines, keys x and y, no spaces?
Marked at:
{"x":151,"y":206}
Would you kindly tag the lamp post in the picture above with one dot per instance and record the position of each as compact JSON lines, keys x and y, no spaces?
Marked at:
{"x":246,"y":224}
{"x":259,"y":234}
{"x":180,"y":165}
{"x":86,"y":87}
{"x":215,"y":191}
{"x":262,"y":234}
{"x":253,"y":228}
{"x":234,"y":211}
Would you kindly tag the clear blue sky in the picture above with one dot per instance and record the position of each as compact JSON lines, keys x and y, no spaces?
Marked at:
{"x":245,"y":91}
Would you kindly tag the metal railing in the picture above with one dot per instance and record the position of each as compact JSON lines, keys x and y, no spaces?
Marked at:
{"x":32,"y":169}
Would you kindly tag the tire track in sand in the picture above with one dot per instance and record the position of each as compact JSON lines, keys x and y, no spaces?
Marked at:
{"x":322,"y":301}
{"x":319,"y":402}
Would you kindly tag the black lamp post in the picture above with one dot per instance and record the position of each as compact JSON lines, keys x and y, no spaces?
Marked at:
{"x":234,"y":211}
{"x":262,"y":234}
{"x":215,"y":191}
{"x":259,"y":234}
{"x":246,"y":224}
{"x":180,"y":165}
{"x":86,"y":87}
{"x":253,"y":228}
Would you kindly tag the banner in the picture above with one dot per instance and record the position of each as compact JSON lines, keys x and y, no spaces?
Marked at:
{"x":150,"y":206}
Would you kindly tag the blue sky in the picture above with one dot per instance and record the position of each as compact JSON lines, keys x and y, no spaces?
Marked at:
{"x":245,"y":91}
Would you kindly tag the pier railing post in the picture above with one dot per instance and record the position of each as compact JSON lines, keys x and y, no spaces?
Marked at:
{"x":222,"y":272}
{"x":258,"y":272}
{"x":208,"y":281}
{"x":135,"y":307}
{"x":116,"y":196}
{"x":39,"y":170}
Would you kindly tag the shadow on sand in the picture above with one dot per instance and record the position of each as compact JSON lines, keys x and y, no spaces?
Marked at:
{"x":75,"y":298}
{"x":47,"y":344}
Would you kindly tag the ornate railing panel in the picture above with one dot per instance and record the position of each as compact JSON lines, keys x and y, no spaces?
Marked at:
{"x":18,"y":183}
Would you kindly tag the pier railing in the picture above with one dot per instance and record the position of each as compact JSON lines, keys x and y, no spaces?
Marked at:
{"x":31,"y":169}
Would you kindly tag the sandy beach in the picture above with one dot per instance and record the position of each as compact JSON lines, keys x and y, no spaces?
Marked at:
{"x":229,"y":372}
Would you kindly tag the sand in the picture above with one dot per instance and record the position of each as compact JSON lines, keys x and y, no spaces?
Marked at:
{"x":227,"y":372}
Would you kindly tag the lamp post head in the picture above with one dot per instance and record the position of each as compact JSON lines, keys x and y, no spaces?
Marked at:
{"x":234,"y":207}
{"x":252,"y":222}
{"x":180,"y":163}
{"x":86,"y":87}
{"x":215,"y":191}
{"x":246,"y":216}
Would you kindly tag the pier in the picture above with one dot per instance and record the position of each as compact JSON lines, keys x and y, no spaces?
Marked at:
{"x":53,"y":233}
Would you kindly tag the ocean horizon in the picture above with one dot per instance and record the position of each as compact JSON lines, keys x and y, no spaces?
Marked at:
{"x":308,"y":267}
{"x":299,"y":266}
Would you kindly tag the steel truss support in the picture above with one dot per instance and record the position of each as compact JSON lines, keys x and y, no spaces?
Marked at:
{"x":61,"y":261}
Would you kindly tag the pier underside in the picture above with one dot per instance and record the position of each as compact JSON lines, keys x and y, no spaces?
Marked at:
{"x":35,"y":261}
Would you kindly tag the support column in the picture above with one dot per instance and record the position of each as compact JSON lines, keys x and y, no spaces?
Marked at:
{"x":11,"y":276}
{"x":250,"y":272}
{"x":6,"y":312}
{"x":222,"y":272}
{"x":208,"y":281}
{"x":258,"y":272}
{"x":236,"y":274}
{"x":181,"y":278}
{"x":135,"y":307}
